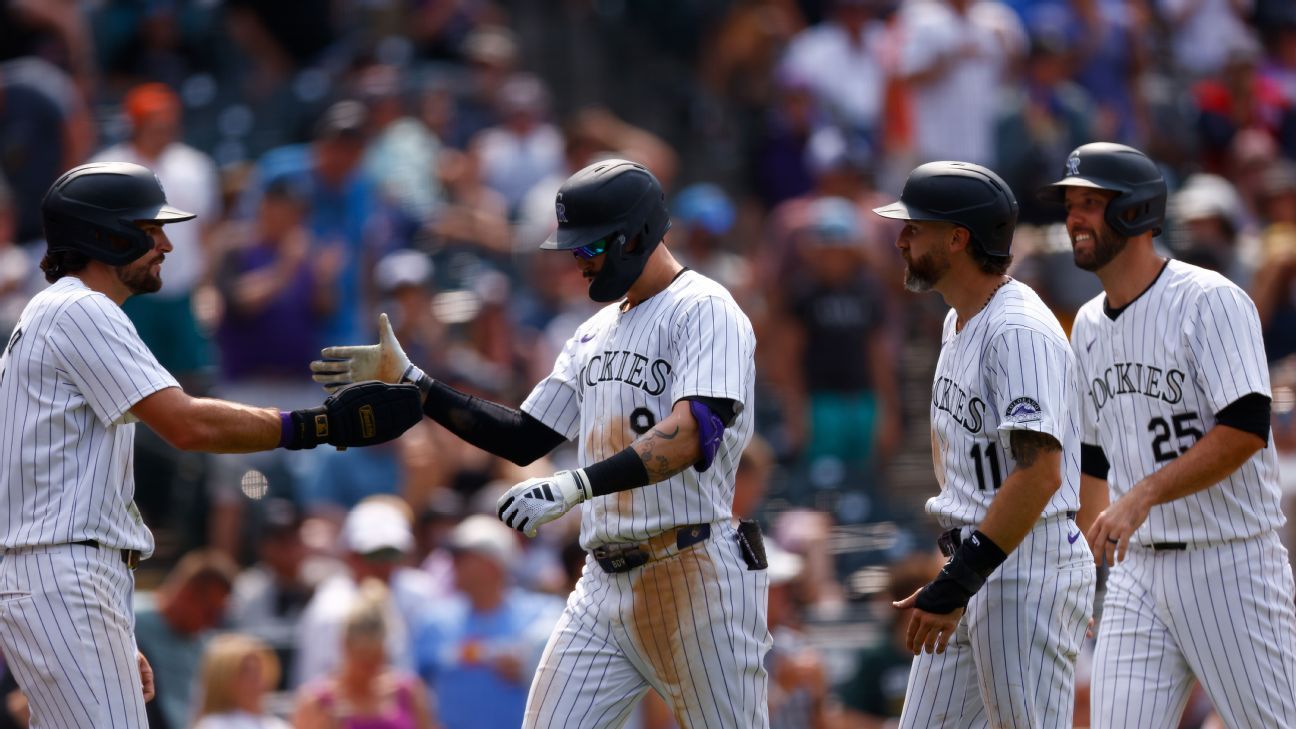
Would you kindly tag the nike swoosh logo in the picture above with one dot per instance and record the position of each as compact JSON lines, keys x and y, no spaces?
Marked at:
{"x":1090,"y":345}
{"x":586,"y":338}
{"x":1072,"y":537}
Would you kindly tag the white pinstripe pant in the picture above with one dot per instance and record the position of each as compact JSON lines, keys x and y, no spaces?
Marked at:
{"x":1223,"y":614}
{"x":691,"y":626}
{"x":66,"y":625}
{"x":1011,"y":661}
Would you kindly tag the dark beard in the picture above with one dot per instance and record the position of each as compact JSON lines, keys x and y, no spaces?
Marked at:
{"x":1106,"y":246}
{"x":139,"y":280}
{"x":922,"y":273}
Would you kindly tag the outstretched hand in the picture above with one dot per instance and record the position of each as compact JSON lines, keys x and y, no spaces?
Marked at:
{"x":384,"y":361}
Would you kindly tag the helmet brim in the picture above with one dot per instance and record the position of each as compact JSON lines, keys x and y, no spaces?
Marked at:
{"x":565,"y":239}
{"x":900,"y":210}
{"x":1056,"y":192}
{"x":160,"y":214}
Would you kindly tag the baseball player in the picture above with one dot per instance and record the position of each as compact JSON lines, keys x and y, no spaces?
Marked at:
{"x":1175,"y":394}
{"x":656,"y":388}
{"x":996,"y":634}
{"x":74,"y":378}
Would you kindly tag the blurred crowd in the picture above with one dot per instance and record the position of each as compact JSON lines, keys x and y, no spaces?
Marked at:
{"x":347,"y":158}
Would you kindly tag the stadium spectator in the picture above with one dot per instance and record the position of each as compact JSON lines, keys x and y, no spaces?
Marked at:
{"x":377,"y":540}
{"x":165,"y":321}
{"x":236,"y":673}
{"x":365,"y":690}
{"x":482,"y":644}
{"x":173,"y":625}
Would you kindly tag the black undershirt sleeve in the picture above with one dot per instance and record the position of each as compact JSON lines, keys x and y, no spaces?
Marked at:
{"x":495,"y":428}
{"x":1249,"y":413}
{"x":1093,"y":462}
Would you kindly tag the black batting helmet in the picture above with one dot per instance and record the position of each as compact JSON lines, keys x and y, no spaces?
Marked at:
{"x":611,"y":201}
{"x":93,"y":209}
{"x":962,"y":193}
{"x":1124,"y":170}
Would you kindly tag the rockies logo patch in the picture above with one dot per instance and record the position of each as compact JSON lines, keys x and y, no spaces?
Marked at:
{"x":1024,"y":410}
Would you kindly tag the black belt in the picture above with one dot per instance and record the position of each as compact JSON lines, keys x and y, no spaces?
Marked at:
{"x":130,"y":556}
{"x":950,"y":539}
{"x":617,"y":558}
{"x":1169,"y":546}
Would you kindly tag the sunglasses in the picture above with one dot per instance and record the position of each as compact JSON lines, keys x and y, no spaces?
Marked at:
{"x":597,"y":248}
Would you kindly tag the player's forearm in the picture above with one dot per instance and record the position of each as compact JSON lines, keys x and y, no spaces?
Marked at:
{"x":1022,"y":499}
{"x":209,"y":425}
{"x":1210,"y":460}
{"x":670,"y":446}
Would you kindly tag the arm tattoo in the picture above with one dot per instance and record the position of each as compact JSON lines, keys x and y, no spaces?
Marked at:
{"x":1027,"y":445}
{"x":650,"y":448}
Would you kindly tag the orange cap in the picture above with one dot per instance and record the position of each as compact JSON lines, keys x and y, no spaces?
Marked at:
{"x":148,"y":99}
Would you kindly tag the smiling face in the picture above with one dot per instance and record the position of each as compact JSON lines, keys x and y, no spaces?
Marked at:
{"x":1093,"y":243}
{"x":144,"y":274}
{"x":924,"y":245}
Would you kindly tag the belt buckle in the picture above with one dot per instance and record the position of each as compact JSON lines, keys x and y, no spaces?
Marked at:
{"x":620,"y":557}
{"x":131,"y":557}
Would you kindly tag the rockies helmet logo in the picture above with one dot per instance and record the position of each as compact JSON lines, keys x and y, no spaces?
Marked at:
{"x":1073,"y":164}
{"x":562,"y":209}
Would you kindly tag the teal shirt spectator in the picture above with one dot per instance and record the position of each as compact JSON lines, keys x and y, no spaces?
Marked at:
{"x":457,"y":651}
{"x":174,"y":658}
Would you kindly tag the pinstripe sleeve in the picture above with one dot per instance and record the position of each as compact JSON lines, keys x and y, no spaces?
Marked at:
{"x":711,"y":349}
{"x":1028,"y":373}
{"x":555,"y":400}
{"x":103,"y":356}
{"x":1227,"y":348}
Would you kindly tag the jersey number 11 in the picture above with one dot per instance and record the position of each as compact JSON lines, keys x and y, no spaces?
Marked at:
{"x":992,"y":458}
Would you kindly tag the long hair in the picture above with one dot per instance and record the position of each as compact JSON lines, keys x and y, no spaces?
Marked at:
{"x":57,"y":264}
{"x":222,"y":661}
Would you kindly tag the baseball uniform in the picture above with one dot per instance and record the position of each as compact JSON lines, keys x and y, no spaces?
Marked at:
{"x":692,"y":626}
{"x":1206,"y":589}
{"x":1011,"y":661}
{"x":70,"y":373}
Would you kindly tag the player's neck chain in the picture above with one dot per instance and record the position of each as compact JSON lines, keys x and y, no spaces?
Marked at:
{"x":989,"y":298}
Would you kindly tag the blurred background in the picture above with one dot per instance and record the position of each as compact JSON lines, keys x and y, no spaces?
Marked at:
{"x":349,"y":157}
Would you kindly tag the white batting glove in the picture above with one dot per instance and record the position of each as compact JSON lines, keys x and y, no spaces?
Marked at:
{"x":384,"y":361}
{"x":538,"y":501}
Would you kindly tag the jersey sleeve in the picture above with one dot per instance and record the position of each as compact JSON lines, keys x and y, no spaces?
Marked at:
{"x":104,"y":357}
{"x":555,"y":400}
{"x":711,"y":349}
{"x":1226,"y":347}
{"x":1029,"y":375}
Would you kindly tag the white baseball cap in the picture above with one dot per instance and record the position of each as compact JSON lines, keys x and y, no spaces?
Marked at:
{"x":485,"y":535}
{"x":377,"y":524}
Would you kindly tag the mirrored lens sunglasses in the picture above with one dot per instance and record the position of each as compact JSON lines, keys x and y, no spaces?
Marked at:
{"x":597,"y":248}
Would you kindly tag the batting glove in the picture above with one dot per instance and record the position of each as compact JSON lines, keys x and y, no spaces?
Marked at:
{"x":384,"y":361}
{"x":538,"y":501}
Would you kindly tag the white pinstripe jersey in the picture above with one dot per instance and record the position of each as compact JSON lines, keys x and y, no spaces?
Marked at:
{"x":622,"y":372}
{"x":1153,"y":380}
{"x":1009,"y":369}
{"x":70,"y":374}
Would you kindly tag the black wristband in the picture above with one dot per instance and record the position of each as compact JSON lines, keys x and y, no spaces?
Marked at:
{"x":621,"y":472}
{"x":308,"y":429}
{"x":961,"y":577}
